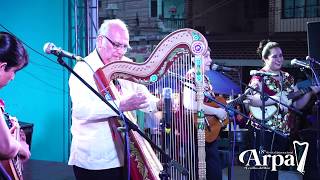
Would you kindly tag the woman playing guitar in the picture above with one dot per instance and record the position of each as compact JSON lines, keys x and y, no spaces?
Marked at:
{"x":276,"y":115}
{"x":14,"y":166}
{"x":13,"y":57}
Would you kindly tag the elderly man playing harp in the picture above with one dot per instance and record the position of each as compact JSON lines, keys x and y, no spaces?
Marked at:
{"x":93,"y":151}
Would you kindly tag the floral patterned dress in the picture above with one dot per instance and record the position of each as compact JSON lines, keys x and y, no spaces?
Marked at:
{"x":279,"y":121}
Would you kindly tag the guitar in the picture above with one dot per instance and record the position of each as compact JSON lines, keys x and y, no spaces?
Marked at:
{"x":14,"y":166}
{"x":273,"y":109}
{"x":214,"y":125}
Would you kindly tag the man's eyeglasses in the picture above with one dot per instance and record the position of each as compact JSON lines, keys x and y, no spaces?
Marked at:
{"x":117,"y":45}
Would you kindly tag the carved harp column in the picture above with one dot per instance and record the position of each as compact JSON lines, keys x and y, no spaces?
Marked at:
{"x":199,"y":79}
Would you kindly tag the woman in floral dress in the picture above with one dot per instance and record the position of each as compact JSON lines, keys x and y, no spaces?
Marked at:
{"x":277,"y":87}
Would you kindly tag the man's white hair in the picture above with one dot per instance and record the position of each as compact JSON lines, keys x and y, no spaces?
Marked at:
{"x":104,"y":28}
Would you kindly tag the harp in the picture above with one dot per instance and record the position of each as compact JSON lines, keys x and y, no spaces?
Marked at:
{"x":172,"y":58}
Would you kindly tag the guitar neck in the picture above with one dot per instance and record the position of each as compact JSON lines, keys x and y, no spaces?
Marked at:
{"x":239,"y":99}
{"x":296,"y":95}
{"x":234,"y":102}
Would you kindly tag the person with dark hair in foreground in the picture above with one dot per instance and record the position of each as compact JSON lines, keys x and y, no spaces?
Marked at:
{"x":13,"y":57}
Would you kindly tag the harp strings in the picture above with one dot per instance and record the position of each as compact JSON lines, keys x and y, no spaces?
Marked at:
{"x":180,"y":141}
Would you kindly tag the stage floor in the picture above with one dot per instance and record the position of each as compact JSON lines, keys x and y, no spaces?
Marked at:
{"x":242,"y":174}
{"x":40,"y":170}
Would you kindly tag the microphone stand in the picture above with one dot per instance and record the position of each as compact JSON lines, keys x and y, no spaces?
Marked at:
{"x":164,"y":135}
{"x":231,"y":114}
{"x":131,"y":126}
{"x":263,"y":128}
{"x":230,"y":109}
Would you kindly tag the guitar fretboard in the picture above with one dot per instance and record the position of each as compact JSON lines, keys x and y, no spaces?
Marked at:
{"x":299,"y":93}
{"x":238,"y":100}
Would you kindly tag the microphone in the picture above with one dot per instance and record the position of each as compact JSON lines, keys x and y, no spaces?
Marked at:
{"x":261,"y":73}
{"x":50,"y":48}
{"x":312,"y":60}
{"x":300,"y":63}
{"x":166,"y":94}
{"x":216,"y":67}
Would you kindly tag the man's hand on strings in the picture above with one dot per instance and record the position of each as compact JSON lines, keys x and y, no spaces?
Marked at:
{"x":133,"y":102}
